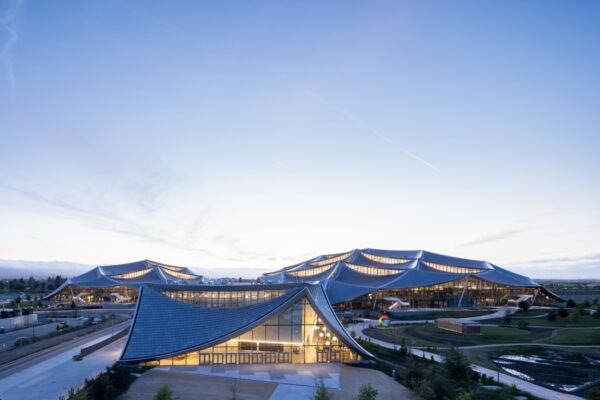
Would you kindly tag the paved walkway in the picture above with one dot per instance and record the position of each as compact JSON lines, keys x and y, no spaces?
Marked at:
{"x":54,"y":376}
{"x":510,"y":380}
{"x":289,"y":374}
{"x":264,"y":382}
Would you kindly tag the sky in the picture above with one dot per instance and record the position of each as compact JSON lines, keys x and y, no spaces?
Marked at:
{"x":259,"y":134}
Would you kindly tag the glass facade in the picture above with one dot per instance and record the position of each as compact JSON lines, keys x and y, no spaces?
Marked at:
{"x":296,"y":336}
{"x":224,"y":298}
{"x":466,"y":292}
{"x":114,"y":294}
{"x":385,"y":260}
{"x":452,"y":268}
{"x":310,"y":272}
{"x":374,"y":270}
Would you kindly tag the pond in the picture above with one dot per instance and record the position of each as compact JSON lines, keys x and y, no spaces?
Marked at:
{"x":558,"y":370}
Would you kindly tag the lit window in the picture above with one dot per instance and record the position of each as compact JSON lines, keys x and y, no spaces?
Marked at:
{"x":373,"y":270}
{"x":134,"y":274}
{"x":452,"y":268}
{"x":310,"y":272}
{"x":385,"y":260}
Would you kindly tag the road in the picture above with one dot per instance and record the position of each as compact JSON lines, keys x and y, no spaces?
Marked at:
{"x":7,"y":340}
{"x":49,"y":374}
{"x":509,"y":380}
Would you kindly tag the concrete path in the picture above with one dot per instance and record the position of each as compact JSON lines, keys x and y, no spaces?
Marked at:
{"x":52,"y":377}
{"x":289,"y":374}
{"x":510,"y":380}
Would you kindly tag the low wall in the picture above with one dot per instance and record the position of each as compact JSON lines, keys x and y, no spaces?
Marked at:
{"x":90,"y":349}
{"x":22,"y":321}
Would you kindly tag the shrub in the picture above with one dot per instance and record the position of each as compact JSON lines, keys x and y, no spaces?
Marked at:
{"x":367,"y":392}
{"x":507,"y":317}
{"x":523,"y":305}
{"x":552,"y":316}
{"x":571,"y":303}
{"x":413,"y":375}
{"x":522,"y":325}
{"x":164,"y":393}
{"x":321,"y":392}
{"x":576,"y":316}
{"x":563,"y":312}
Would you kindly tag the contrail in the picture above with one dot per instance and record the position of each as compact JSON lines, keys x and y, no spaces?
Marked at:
{"x":8,"y":23}
{"x":353,"y":117}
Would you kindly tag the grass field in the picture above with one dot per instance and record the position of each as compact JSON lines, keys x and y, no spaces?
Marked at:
{"x":441,"y":314}
{"x":429,"y":335}
{"x":576,"y":336}
{"x":584,"y":322}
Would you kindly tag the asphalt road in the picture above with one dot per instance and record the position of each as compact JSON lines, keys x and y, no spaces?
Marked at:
{"x":8,"y":339}
{"x":36,"y":358}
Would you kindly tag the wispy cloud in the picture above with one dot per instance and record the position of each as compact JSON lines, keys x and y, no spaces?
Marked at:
{"x":8,"y":23}
{"x":371,"y":129}
{"x":506,"y":234}
{"x":567,"y":267}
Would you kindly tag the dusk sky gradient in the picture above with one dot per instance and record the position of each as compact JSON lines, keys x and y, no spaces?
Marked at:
{"x":258,"y":134}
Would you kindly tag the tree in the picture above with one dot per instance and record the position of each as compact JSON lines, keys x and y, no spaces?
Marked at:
{"x":457,"y":366}
{"x":321,"y":392}
{"x":507,"y":317}
{"x":563,"y":312}
{"x":576,"y":316}
{"x":523,"y":305}
{"x":367,"y":392}
{"x":552,"y":315}
{"x":595,"y":301}
{"x":164,"y":393}
{"x":571,"y":303}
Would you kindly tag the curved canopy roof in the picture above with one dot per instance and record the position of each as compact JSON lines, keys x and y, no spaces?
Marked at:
{"x":132,"y":274}
{"x":164,"y":327}
{"x":346,"y":276}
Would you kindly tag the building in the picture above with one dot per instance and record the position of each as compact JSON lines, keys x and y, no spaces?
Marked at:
{"x":389,"y":279}
{"x":120,"y":283}
{"x":176,"y":325}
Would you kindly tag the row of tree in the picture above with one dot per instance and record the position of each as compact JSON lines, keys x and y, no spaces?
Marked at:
{"x":31,"y":285}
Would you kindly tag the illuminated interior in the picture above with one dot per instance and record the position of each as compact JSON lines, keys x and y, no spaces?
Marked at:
{"x":331,"y":260}
{"x":477,"y":292}
{"x":180,"y":275}
{"x":452,"y":268}
{"x":310,"y":272}
{"x":97,"y":295}
{"x":224,"y":298}
{"x":134,"y":274}
{"x":385,"y":260}
{"x":296,"y":336}
{"x":374,"y":270}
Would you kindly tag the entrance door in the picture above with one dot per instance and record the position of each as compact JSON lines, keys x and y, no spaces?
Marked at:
{"x":245,"y":358}
{"x":322,"y":356}
{"x":283,"y":357}
{"x":257,"y":358}
{"x":205,"y":359}
{"x":335,"y":356}
{"x":231,"y":358}
{"x":218,"y":358}
{"x":270,"y":358}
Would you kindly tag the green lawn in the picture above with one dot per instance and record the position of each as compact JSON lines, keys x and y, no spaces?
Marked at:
{"x":429,"y":335}
{"x":442,"y":314}
{"x":576,"y":336}
{"x":586,"y":321}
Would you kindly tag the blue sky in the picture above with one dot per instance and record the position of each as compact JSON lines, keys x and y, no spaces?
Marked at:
{"x":257,"y":134}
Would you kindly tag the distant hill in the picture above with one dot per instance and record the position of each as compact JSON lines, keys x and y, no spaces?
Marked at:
{"x":41,"y":269}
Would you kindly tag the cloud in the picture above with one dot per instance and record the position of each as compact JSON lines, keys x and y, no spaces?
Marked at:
{"x":8,"y":24}
{"x":507,"y":234}
{"x":368,"y":127}
{"x":567,"y":267}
